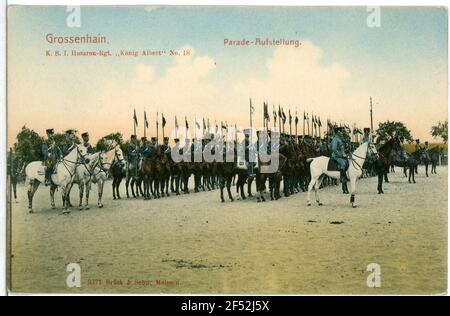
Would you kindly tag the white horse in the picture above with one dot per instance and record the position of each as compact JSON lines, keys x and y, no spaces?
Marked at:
{"x":95,"y":171}
{"x":61,"y":177}
{"x":319,"y":166}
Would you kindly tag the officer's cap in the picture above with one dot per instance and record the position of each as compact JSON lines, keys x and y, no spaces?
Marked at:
{"x":85,"y":134}
{"x":143,"y":139}
{"x":70,"y":132}
{"x":417,"y":140}
{"x":176,"y":140}
{"x":133,"y":136}
{"x":366,"y":129}
{"x":153,"y":138}
{"x":50,"y":131}
{"x":166,"y":138}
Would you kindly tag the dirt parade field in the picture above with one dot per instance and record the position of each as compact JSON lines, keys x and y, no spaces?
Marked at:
{"x":196,"y":244}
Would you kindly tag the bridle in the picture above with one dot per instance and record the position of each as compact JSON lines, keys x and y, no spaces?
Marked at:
{"x":65,"y":162}
{"x":116,"y":159}
{"x":369,"y":145}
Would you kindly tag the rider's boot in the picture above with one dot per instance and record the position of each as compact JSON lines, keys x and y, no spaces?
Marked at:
{"x":47,"y":176}
{"x":344,"y":178}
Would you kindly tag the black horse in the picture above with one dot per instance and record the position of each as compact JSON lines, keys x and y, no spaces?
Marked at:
{"x":434,"y":153}
{"x":382,"y":163}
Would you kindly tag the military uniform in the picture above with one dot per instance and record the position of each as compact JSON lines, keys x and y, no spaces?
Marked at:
{"x":417,"y":146}
{"x":338,"y":154}
{"x":366,"y":137}
{"x":67,"y":146}
{"x":148,"y":149}
{"x":132,"y":150}
{"x":165,"y":146}
{"x":86,"y":148}
{"x":50,"y":155}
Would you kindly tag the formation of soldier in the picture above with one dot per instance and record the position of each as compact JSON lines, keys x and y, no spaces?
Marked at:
{"x":51,"y":152}
{"x":335,"y":146}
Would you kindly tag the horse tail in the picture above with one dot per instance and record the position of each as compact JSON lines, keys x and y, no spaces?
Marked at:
{"x":308,"y":160}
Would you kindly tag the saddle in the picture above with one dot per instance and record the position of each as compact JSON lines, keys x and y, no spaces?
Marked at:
{"x":333,"y":165}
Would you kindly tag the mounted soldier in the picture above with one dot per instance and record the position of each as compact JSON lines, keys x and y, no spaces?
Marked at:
{"x":50,"y":155}
{"x":86,"y":147}
{"x":69,"y":143}
{"x":417,"y":145}
{"x":366,"y":137}
{"x":132,"y":149}
{"x":165,"y":146}
{"x":143,"y":148}
{"x":338,"y":153}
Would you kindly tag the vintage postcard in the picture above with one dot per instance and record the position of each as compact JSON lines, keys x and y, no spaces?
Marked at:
{"x":227,"y":149}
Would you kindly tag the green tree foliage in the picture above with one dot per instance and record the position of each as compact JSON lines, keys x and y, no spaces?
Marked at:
{"x":388,"y":129}
{"x":29,"y":145}
{"x":61,"y":138}
{"x":440,"y":130}
{"x":106,"y":142}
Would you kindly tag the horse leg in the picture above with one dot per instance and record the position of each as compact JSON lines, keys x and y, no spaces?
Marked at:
{"x":310,"y":187}
{"x":221,"y":185}
{"x":65,"y":194}
{"x":81,"y":191}
{"x":172,"y":180}
{"x":353,"y":192}
{"x":132,"y":185}
{"x":167,"y":186}
{"x":127,"y":183}
{"x":100,"y":193}
{"x":240,"y":185}
{"x":272,"y":187}
{"x":230,"y":196}
{"x":380,"y":183}
{"x":119,"y":181}
{"x":177,"y":185}
{"x":316,"y":189}
{"x":88,"y":189}
{"x":113,"y":187}
{"x":52,"y":196}
{"x":426,"y":169}
{"x":278,"y":178}
{"x":249,"y":186}
{"x":34,"y":184}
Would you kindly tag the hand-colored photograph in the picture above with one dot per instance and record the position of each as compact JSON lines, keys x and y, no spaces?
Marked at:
{"x":227,"y":149}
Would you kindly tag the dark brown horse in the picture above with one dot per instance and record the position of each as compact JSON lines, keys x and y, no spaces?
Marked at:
{"x":274,"y":178}
{"x":381,"y":164}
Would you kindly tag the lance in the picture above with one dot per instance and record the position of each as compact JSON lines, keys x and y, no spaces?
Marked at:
{"x":320,"y":124}
{"x":157,"y":128}
{"x":290,"y":123}
{"x":296,"y":123}
{"x":134,"y":122}
{"x":176,"y":127}
{"x":304,"y":119}
{"x":195,"y":128}
{"x":307,"y":121}
{"x":145,"y":123}
{"x":313,"y":126}
{"x":280,"y":118}
{"x":163,"y":124}
{"x":274,"y":117}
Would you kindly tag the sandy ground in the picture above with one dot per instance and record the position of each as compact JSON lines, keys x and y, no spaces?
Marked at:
{"x":195,"y":244}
